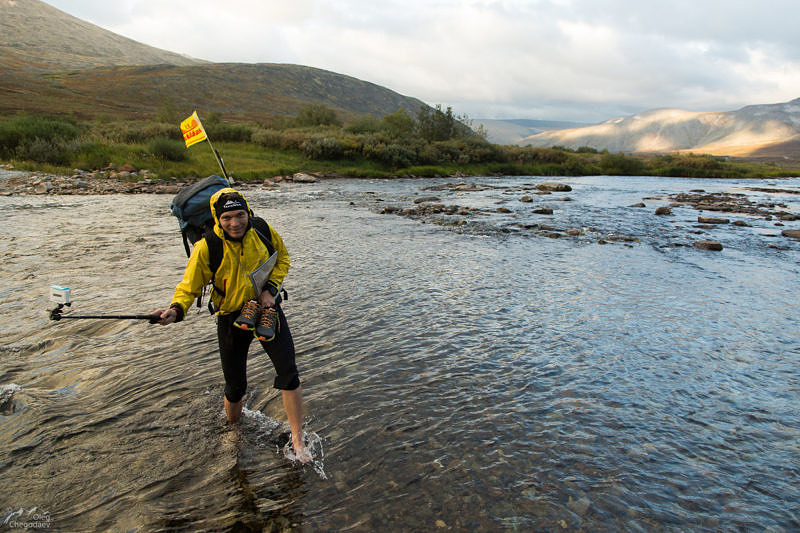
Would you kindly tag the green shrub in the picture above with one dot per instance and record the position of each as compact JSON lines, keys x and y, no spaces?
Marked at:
{"x":424,"y":171}
{"x":37,"y":136}
{"x":229,"y":132}
{"x":321,"y":147}
{"x":93,"y":156}
{"x":396,"y":156}
{"x":137,"y":133}
{"x":621,"y":165}
{"x":398,"y":125}
{"x":429,"y":154}
{"x":266,"y":137}
{"x":509,"y":169}
{"x":43,"y":151}
{"x":167,"y":149}
{"x":365,"y":124}
{"x":316,"y":115}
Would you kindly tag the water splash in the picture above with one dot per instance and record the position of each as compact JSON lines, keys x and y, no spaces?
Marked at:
{"x":7,"y":394}
{"x":269,"y":430}
{"x":313,"y":444}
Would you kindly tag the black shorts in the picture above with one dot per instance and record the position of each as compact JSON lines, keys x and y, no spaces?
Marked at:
{"x":234,"y":344}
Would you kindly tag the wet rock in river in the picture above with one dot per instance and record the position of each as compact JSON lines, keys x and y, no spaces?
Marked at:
{"x":579,"y":506}
{"x":663,"y":210}
{"x":709,"y":245}
{"x":543,"y":211}
{"x":741,"y":223}
{"x":526,"y":199}
{"x":640,"y":204}
{"x":426,"y":199}
{"x":553,"y":187}
{"x":713,"y":220}
{"x":791,"y":233}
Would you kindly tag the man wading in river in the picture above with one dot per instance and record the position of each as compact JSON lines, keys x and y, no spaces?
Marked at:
{"x":242,"y":314}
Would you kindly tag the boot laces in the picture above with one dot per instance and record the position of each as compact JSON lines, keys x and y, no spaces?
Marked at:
{"x":269,"y":317}
{"x":250,"y":310}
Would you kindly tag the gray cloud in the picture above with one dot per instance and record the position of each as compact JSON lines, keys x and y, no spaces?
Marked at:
{"x":552,"y":59}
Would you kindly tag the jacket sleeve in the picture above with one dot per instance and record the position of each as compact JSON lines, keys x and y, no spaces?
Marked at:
{"x":195,"y":277}
{"x":282,"y":265}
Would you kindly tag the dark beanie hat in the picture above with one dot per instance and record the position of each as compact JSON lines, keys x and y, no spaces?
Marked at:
{"x":230,"y":202}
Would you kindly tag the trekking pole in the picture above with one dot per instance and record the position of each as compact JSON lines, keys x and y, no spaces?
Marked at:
{"x":60,"y":296}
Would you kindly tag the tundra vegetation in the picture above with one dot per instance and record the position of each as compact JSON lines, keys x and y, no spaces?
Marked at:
{"x":431,"y":142}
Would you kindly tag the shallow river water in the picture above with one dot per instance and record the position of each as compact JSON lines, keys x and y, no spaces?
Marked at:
{"x":472,"y":377}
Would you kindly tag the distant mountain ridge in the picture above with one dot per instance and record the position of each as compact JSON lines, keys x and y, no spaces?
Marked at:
{"x":512,"y":131}
{"x":52,"y":62}
{"x":755,"y":130}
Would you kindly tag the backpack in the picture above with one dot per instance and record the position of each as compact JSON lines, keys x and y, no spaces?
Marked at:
{"x":191,"y":207}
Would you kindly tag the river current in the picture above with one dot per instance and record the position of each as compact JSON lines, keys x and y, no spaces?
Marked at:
{"x":472,"y":376}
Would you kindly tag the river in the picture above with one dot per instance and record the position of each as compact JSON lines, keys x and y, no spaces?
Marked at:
{"x":464,"y":376}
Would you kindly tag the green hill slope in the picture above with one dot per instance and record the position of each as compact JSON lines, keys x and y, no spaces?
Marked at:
{"x":52,"y":62}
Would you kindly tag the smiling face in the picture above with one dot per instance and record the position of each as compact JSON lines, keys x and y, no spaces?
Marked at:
{"x":234,"y":223}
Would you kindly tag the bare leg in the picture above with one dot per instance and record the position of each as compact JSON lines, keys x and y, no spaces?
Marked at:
{"x":293,"y":403}
{"x":233,"y":410}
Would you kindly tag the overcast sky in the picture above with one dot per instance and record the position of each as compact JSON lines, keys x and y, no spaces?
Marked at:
{"x":580,"y":60}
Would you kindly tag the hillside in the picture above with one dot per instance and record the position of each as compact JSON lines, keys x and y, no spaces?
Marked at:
{"x":771,"y":130}
{"x":49,"y":39}
{"x":52,"y":62}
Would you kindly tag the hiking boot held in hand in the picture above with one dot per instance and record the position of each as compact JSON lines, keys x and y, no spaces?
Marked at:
{"x":248,"y":317}
{"x":268,"y":325}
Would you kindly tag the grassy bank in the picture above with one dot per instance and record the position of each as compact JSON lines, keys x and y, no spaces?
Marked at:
{"x":429,"y":144}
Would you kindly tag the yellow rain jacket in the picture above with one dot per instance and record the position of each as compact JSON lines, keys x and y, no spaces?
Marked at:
{"x":238,"y":260}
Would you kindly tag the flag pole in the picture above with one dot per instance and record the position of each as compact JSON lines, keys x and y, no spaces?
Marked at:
{"x":219,"y":160}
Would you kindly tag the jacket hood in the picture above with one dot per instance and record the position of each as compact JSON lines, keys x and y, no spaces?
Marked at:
{"x":213,"y":201}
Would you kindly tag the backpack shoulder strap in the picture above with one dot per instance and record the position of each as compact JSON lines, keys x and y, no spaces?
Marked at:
{"x":262,"y":228}
{"x":214,"y":251}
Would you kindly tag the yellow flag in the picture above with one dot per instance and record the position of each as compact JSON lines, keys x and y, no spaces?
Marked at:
{"x":192,"y":130}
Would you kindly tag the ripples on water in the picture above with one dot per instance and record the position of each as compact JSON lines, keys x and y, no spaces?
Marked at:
{"x":466,"y":380}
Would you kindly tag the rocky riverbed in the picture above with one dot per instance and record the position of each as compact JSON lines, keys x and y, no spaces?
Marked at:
{"x":123,"y":180}
{"x":553,"y":210}
{"x":533,"y":207}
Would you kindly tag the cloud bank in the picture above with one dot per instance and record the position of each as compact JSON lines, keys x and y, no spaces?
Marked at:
{"x":577,"y":60}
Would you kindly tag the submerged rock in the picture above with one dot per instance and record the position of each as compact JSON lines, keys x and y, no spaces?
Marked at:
{"x":662,"y":211}
{"x":708,"y":245}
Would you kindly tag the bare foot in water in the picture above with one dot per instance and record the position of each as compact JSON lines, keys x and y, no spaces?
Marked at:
{"x":301,"y":453}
